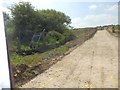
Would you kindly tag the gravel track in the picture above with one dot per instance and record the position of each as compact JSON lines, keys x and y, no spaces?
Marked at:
{"x":94,"y":64}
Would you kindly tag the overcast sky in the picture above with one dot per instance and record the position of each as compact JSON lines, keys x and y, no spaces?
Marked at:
{"x":84,"y":13}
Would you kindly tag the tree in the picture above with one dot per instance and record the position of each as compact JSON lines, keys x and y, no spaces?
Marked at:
{"x":28,"y":20}
{"x":23,"y":14}
{"x":6,"y":19}
{"x":54,"y":20}
{"x":6,"y":16}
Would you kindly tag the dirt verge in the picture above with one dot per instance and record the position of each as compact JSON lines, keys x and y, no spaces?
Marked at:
{"x":24,"y":73}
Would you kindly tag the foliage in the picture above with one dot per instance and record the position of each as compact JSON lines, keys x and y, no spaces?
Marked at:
{"x":53,"y":20}
{"x":24,"y":48}
{"x":23,"y":14}
{"x":54,"y":37}
{"x":35,"y":59}
{"x":68,"y":35}
{"x":9,"y":31}
{"x":117,"y":27}
{"x":5,"y":16}
{"x":28,"y":20}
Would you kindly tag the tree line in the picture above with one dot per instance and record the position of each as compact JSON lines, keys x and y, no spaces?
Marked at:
{"x":26,"y":20}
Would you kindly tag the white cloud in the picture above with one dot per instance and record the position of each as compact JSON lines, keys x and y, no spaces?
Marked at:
{"x":88,"y":20}
{"x":7,"y":3}
{"x":42,"y":4}
{"x":112,"y":8}
{"x":109,"y":17}
{"x":94,"y":20}
{"x":93,"y":7}
{"x":34,"y":2}
{"x":87,"y":0}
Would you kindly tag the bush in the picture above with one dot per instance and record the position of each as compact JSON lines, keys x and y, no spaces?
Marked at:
{"x":25,"y":48}
{"x":68,"y":35}
{"x":53,"y":37}
{"x":56,"y":38}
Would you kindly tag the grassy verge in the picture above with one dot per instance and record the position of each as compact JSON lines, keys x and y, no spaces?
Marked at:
{"x":37,"y":58}
{"x":27,"y":67}
{"x":116,"y":30}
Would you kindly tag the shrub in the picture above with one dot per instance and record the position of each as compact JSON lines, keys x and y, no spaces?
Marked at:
{"x":53,"y":37}
{"x":68,"y":35}
{"x":24,"y":48}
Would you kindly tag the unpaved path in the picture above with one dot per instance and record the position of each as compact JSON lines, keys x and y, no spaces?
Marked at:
{"x":91,"y":65}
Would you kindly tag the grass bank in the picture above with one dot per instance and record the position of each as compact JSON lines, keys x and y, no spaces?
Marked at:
{"x":27,"y":67}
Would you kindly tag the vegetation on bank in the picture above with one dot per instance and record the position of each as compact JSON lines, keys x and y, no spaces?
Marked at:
{"x":37,"y":58}
{"x":27,"y":67}
{"x":27,"y":21}
{"x":117,"y":28}
{"x":57,"y":37}
{"x":114,"y":30}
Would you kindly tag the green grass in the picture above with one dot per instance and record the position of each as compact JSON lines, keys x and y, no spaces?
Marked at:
{"x":79,"y":32}
{"x":36,"y":58}
{"x":45,"y":59}
{"x":28,"y":60}
{"x":117,"y":27}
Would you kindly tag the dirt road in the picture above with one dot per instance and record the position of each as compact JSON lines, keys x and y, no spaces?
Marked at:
{"x":91,"y":65}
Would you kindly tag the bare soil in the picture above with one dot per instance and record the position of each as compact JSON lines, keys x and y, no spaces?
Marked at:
{"x":94,"y":64}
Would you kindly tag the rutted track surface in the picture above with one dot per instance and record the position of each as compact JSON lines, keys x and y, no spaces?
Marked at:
{"x":91,"y":65}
